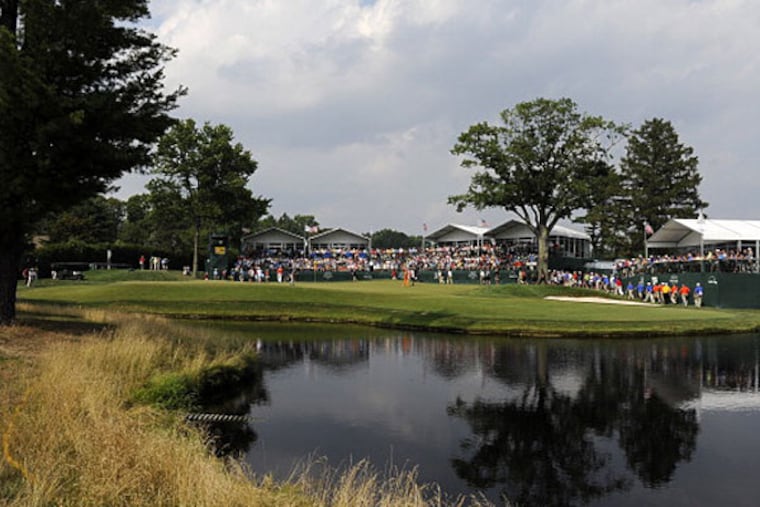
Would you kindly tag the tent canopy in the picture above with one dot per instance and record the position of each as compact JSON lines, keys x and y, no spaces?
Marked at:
{"x":690,"y":232}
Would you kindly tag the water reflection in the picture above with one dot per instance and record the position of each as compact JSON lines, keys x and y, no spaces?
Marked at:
{"x":544,"y":422}
{"x":546,"y":447}
{"x":234,"y":438}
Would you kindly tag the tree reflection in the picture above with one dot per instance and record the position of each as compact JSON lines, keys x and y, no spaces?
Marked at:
{"x":656,"y":437}
{"x":538,"y":447}
{"x":546,"y":447}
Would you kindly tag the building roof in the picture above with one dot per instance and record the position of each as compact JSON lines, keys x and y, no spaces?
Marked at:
{"x":691,"y":232}
{"x":520,"y":228}
{"x":269,"y":231}
{"x":472,"y":230}
{"x":331,"y":232}
{"x":567,"y":232}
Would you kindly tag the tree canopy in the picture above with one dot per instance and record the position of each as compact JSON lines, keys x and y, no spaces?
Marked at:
{"x":540,"y":164}
{"x":203,"y":173}
{"x":96,"y":220}
{"x":82,"y":101}
{"x":391,"y":238}
{"x":297,"y":224}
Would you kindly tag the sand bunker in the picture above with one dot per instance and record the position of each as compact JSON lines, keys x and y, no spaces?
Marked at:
{"x":605,"y":301}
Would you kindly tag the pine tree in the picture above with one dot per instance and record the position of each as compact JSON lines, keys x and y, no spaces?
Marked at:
{"x":81,"y":102}
{"x":660,"y":180}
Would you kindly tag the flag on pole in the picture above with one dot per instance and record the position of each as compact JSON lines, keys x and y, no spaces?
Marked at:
{"x":311,"y":228}
{"x":424,"y":227}
{"x":483,"y":223}
{"x":648,"y":229}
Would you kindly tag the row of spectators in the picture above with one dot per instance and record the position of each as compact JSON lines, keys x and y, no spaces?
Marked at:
{"x":485,"y":258}
{"x":653,"y":291}
{"x":468,"y":258}
{"x":718,"y":260}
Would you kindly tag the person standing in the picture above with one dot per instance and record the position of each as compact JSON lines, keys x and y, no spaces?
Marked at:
{"x":31,"y":276}
{"x":684,"y":292}
{"x":142,"y":262}
{"x":649,"y":298}
{"x":698,"y":294}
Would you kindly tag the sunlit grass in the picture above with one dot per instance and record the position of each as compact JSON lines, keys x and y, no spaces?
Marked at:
{"x":507,"y":309}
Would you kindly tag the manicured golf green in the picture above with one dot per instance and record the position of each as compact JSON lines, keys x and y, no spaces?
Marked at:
{"x":507,"y":309}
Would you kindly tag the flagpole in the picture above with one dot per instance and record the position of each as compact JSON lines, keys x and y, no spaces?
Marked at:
{"x":648,"y":231}
{"x":646,"y":243}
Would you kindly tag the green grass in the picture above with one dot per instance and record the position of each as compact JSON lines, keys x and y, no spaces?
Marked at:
{"x":507,"y":309}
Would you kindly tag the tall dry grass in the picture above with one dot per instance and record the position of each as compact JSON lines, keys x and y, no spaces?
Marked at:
{"x":78,"y":439}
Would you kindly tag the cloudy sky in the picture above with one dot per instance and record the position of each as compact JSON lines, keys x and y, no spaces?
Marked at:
{"x":351,"y":106}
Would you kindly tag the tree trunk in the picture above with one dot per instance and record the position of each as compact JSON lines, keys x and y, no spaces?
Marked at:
{"x":196,"y":239}
{"x":9,"y":261}
{"x":543,"y":253}
{"x":9,"y":15}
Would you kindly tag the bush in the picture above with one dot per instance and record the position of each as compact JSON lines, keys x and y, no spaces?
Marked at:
{"x":172,"y":391}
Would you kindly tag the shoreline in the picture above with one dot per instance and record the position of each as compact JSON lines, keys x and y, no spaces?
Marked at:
{"x":507,"y":311}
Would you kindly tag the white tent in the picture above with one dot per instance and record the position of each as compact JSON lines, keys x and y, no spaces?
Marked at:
{"x":696,"y":233}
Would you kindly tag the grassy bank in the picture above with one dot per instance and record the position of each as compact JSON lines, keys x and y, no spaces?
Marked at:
{"x":509,"y":309}
{"x":76,"y":431}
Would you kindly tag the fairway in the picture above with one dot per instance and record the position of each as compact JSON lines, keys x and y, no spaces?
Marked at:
{"x":516,"y":310}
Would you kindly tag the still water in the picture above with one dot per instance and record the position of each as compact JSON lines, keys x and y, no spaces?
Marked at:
{"x":544,"y":422}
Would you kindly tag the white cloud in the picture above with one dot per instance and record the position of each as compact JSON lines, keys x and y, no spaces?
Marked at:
{"x":351,"y":107}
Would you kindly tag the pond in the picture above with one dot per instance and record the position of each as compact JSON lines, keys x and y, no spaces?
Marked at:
{"x":542,"y":422}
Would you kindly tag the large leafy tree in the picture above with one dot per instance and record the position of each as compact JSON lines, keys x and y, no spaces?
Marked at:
{"x":81,"y":101}
{"x":603,"y":213}
{"x":660,"y":179}
{"x":133,"y":229}
{"x":391,"y":238}
{"x":203,"y":172}
{"x":96,"y":220}
{"x":540,"y":164}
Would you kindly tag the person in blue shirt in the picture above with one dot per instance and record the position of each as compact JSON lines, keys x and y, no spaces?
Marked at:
{"x":650,"y":293}
{"x":629,"y":290}
{"x":698,"y":293}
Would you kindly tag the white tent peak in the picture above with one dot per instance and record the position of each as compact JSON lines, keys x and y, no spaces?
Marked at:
{"x":691,"y":232}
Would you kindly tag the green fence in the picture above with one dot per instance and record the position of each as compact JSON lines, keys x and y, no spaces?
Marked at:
{"x":459,"y":276}
{"x":721,"y":290}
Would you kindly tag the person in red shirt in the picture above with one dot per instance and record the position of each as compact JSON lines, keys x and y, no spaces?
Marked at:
{"x":674,"y":291}
{"x":684,"y":293}
{"x":280,"y":272}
